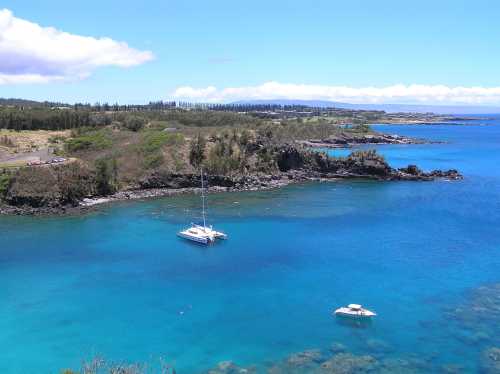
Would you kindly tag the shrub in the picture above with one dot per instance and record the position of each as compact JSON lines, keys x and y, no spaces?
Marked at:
{"x":75,"y":182}
{"x":45,"y":186}
{"x":55,"y":139}
{"x":225,"y":156}
{"x":361,"y":128}
{"x":370,"y":154}
{"x":197,"y":151}
{"x":35,"y":187}
{"x":134,"y":123}
{"x":6,"y":141}
{"x":4,"y":184}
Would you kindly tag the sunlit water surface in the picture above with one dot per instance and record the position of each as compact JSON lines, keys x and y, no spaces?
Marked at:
{"x":118,"y":282}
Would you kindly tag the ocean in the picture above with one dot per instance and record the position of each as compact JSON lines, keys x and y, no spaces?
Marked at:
{"x":118,"y":283}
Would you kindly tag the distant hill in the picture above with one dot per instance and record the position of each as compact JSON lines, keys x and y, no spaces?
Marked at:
{"x":29,"y":103}
{"x":389,"y":108}
{"x":19,"y":102}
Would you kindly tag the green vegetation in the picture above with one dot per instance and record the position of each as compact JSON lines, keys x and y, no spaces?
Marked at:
{"x":47,"y":119}
{"x":99,"y":365}
{"x":4,"y":183}
{"x":134,"y":123}
{"x":88,"y":140}
{"x":118,"y":149}
{"x":152,"y":144}
{"x":106,"y":175}
{"x":197,"y":151}
{"x":45,"y":186}
{"x":6,"y":141}
{"x":370,"y":154}
{"x":56,"y":139}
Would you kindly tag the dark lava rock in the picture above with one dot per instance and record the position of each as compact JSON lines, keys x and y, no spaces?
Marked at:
{"x":165,"y":179}
{"x":411,"y":169}
{"x":290,"y":157}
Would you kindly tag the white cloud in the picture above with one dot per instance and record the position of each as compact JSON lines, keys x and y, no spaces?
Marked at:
{"x":30,"y":53}
{"x":426,"y":94}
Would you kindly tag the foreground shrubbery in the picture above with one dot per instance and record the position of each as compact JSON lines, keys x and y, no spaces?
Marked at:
{"x":101,"y":366}
{"x":4,"y":183}
{"x":46,"y":186}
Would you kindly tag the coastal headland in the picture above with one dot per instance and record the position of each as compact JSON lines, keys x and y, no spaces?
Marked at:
{"x":67,"y":159}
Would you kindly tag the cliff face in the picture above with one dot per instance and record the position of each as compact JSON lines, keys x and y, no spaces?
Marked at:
{"x":299,"y":164}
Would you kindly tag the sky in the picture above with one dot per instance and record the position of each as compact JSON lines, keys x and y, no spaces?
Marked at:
{"x":385,"y":51}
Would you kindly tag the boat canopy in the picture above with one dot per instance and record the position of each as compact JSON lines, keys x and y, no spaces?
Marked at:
{"x":354,"y":306}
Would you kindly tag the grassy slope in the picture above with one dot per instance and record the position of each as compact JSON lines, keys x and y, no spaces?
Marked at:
{"x":112,"y":157}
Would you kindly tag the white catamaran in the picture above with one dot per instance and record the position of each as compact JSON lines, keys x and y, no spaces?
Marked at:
{"x":198,"y":233}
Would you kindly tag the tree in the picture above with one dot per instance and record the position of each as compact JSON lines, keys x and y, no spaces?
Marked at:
{"x":106,"y":175}
{"x":197,"y":152}
{"x":134,"y":123}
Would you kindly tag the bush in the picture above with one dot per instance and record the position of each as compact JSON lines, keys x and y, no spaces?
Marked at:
{"x":225,"y":156}
{"x":134,"y":123}
{"x":75,"y":182}
{"x":55,"y":139}
{"x":35,"y":187}
{"x":6,"y":141}
{"x":4,"y":184}
{"x":45,"y":186}
{"x":197,"y":151}
{"x":362,"y":156}
{"x":361,"y":128}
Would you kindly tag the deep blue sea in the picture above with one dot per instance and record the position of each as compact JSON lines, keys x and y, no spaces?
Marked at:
{"x":118,"y":283}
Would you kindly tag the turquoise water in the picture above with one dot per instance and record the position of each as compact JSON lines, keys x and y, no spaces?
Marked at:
{"x":119,"y":283}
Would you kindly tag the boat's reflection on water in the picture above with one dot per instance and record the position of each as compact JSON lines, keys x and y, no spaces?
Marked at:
{"x":354,"y":322}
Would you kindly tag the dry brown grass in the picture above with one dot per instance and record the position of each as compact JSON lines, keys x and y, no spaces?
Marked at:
{"x":26,"y":141}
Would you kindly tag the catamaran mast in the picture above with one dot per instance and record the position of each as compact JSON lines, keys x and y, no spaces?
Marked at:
{"x":203,"y":199}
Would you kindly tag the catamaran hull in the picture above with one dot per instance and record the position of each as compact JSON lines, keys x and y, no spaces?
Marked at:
{"x":195,"y":239}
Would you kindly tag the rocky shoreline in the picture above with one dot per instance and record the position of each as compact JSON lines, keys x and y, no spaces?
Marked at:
{"x":349,"y":140}
{"x":168,"y":184}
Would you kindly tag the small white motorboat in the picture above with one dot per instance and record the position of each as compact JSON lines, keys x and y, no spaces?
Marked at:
{"x":354,"y":310}
{"x":202,"y":234}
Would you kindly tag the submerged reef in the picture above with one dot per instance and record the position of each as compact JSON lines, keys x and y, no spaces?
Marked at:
{"x":337,"y":360}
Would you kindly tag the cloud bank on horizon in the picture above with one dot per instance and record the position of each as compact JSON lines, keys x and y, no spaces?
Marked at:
{"x":30,"y":53}
{"x":394,"y":94}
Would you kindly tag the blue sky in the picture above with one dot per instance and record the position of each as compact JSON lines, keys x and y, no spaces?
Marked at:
{"x":306,"y":48}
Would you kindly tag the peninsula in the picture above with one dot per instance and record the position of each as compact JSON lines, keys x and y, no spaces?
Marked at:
{"x":57,"y":158}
